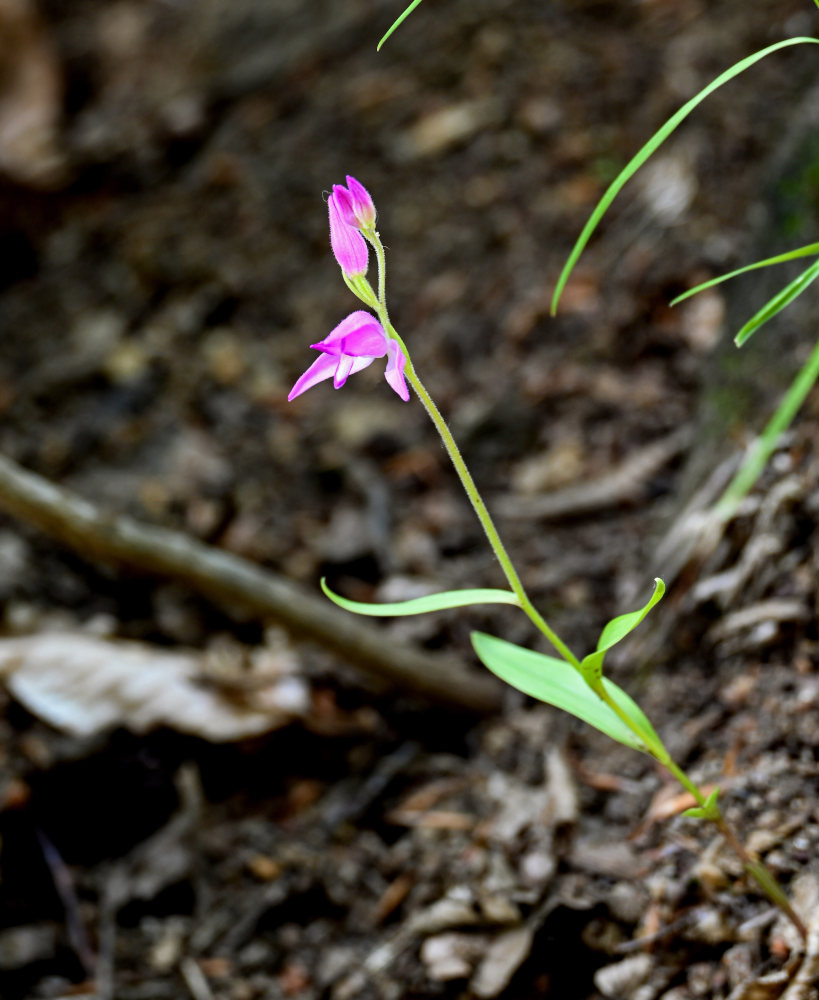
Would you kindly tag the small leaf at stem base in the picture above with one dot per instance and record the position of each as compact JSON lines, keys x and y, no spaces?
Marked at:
{"x":708,"y":810}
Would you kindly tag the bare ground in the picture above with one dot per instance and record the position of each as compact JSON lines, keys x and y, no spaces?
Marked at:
{"x":165,"y":269}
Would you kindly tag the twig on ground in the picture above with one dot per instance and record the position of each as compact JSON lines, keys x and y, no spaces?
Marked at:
{"x":234,"y":582}
{"x":195,"y":980}
{"x":64,"y":884}
{"x":626,"y":484}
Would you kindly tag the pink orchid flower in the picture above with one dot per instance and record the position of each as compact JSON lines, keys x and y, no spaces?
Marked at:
{"x":348,"y":245}
{"x":354,"y":344}
{"x":355,"y":204}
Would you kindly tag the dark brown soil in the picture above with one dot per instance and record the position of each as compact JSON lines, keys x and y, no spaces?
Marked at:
{"x":165,"y":265}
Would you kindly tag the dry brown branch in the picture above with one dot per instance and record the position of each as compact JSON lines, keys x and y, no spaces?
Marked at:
{"x":625,"y":484}
{"x":233,"y":582}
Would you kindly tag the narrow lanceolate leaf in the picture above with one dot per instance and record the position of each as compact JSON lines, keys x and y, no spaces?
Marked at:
{"x":618,"y":628}
{"x":557,"y":683}
{"x":652,"y":146}
{"x":807,"y":251}
{"x":422,"y":605}
{"x":778,"y":303}
{"x":398,"y":21}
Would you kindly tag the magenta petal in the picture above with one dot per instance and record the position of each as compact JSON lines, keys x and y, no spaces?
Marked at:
{"x":394,"y":373}
{"x":348,"y":245}
{"x":367,"y":341}
{"x":361,"y":203}
{"x":344,"y":204}
{"x":321,"y":369}
{"x":358,"y":335}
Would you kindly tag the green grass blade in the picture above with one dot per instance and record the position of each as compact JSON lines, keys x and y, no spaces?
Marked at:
{"x":757,"y":457}
{"x":422,"y":605}
{"x":398,"y":21}
{"x":778,"y":302}
{"x":651,"y":147}
{"x":782,"y":258}
{"x":558,"y":683}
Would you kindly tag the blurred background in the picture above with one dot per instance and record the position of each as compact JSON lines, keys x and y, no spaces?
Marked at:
{"x":164,"y":267}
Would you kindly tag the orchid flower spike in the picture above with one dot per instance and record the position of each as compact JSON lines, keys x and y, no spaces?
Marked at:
{"x":355,"y":204}
{"x":349,"y":246}
{"x":354,"y":344}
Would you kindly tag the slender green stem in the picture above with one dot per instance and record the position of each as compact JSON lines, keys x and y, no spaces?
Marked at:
{"x":765,"y":445}
{"x":463,"y":472}
{"x":796,"y":395}
{"x":650,"y":741}
{"x":684,"y":780}
{"x":485,"y":518}
{"x":375,"y":241}
{"x":757,"y":869}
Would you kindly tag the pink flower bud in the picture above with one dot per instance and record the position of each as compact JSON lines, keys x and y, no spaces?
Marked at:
{"x":349,"y":246}
{"x":355,"y":204}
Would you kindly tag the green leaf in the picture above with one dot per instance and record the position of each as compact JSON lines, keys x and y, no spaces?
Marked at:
{"x":708,"y":810}
{"x":778,"y":303}
{"x":652,"y":146}
{"x":398,"y":21}
{"x":782,"y":258}
{"x":757,"y":456}
{"x":618,"y":628}
{"x":421,"y":605}
{"x":558,"y":683}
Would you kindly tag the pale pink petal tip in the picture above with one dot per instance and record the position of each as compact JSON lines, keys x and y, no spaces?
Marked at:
{"x":323,"y":367}
{"x":394,"y":373}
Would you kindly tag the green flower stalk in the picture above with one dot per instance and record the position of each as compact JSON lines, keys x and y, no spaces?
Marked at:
{"x":566,"y":681}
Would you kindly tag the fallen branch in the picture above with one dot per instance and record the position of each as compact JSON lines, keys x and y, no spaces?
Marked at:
{"x":229,"y":581}
{"x":624,"y":485}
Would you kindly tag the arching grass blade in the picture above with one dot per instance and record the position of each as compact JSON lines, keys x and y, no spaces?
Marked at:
{"x":778,"y":303}
{"x":398,"y":21}
{"x":652,"y":146}
{"x":780,"y":258}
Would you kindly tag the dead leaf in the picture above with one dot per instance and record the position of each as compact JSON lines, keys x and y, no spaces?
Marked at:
{"x":83,"y":685}
{"x":451,"y":955}
{"x":621,"y":979}
{"x":501,"y":960}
